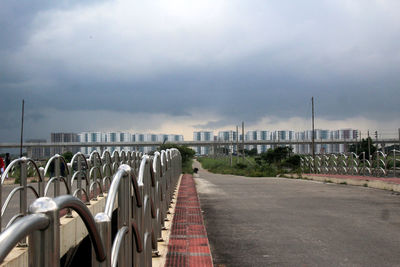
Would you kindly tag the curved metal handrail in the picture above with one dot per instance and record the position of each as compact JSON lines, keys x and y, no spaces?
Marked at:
{"x":112,"y":192}
{"x":56,"y":156}
{"x":74,"y":177}
{"x":80,"y":155}
{"x":136,"y":190}
{"x":94,"y":155}
{"x":14,"y":218}
{"x":141,"y":170}
{"x":123,"y":157}
{"x":49,"y":182}
{"x":70,"y":202}
{"x":117,"y":245}
{"x":75,"y":194}
{"x":14,"y":162}
{"x":106,"y":157}
{"x":20,"y":229}
{"x":142,"y":178}
{"x":12,"y":193}
{"x":115,"y":157}
{"x":91,"y":172}
{"x":91,"y":188}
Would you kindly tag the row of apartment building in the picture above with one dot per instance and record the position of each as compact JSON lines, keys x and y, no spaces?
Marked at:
{"x":93,"y":137}
{"x":280,"y":136}
{"x":120,"y":137}
{"x":117,"y":137}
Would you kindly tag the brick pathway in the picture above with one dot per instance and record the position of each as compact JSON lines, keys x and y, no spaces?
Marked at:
{"x":188,"y":243}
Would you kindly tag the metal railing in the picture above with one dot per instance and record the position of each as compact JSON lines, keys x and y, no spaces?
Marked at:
{"x":142,"y":185}
{"x":379,"y":164}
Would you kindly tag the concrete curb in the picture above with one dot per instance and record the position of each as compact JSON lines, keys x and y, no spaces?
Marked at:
{"x":163,"y":245}
{"x":371,"y":182}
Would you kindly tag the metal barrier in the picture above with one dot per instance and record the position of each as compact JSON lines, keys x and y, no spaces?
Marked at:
{"x":142,"y":185}
{"x":379,"y":164}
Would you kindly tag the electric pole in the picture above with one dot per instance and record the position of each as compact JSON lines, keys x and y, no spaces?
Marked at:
{"x":243,"y":140}
{"x":369,"y":147}
{"x":22,"y":128}
{"x":237,"y":144}
{"x":313,"y":133}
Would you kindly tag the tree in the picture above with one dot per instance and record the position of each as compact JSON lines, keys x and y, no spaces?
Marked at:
{"x":276,"y":155}
{"x":67,"y":156}
{"x":363,"y":147}
{"x":186,"y":152}
{"x":251,"y":152}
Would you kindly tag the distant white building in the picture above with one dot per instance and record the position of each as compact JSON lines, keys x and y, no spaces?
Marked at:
{"x":321,"y":135}
{"x":63,"y":138}
{"x":203,"y":136}
{"x":121,"y":137}
{"x":91,"y":137}
{"x":229,"y":136}
{"x":258,"y":136}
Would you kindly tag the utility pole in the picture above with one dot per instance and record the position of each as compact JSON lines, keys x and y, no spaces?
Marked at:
{"x":313,"y":132}
{"x":399,"y":138}
{"x":243,"y":140}
{"x":369,"y":147}
{"x":237,"y":144}
{"x":231,"y":150}
{"x":22,"y":128}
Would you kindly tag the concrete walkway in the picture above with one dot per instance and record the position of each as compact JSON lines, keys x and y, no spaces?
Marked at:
{"x":188,"y":243}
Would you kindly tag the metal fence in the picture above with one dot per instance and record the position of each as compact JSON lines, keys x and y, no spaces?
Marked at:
{"x":378,"y":164}
{"x":142,"y":185}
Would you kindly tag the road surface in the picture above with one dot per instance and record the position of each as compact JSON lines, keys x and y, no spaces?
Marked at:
{"x":288,"y":222}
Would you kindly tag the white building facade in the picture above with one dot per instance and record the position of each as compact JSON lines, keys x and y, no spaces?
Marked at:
{"x":203,"y":136}
{"x":281,"y":136}
{"x":122,"y":137}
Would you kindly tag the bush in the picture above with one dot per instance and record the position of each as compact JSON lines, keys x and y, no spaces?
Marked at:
{"x":186,"y":154}
{"x":292,"y":162}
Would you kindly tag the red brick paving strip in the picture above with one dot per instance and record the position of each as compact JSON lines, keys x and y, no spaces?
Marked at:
{"x":188,"y":243}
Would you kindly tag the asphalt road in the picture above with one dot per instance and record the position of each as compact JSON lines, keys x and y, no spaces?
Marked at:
{"x":288,"y":222}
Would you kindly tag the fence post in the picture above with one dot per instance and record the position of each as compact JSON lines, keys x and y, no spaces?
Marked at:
{"x":44,"y":245}
{"x":103,"y":224}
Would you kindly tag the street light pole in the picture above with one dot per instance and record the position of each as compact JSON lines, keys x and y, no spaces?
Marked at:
{"x":22,"y":128}
{"x":313,"y":133}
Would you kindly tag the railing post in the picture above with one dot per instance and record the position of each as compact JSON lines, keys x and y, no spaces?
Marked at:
{"x":44,"y":246}
{"x":124,"y":219}
{"x":23,"y":195}
{"x":79,"y":178}
{"x":103,"y":224}
{"x":58,"y":175}
{"x":394,"y":162}
{"x":41,"y":182}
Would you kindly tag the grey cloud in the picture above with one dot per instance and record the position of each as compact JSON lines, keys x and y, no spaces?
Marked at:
{"x":253,"y":61}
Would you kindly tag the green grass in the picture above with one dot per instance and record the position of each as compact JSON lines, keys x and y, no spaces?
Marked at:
{"x":222,"y":166}
{"x":187,"y":166}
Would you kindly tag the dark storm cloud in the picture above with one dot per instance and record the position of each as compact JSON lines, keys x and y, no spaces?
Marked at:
{"x":240,"y":61}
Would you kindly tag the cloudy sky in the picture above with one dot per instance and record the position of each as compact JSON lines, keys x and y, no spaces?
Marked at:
{"x":179,"y":66}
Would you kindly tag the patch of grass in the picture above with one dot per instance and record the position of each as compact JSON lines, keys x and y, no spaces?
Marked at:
{"x":187,"y":166}
{"x":343,"y":182}
{"x":365,"y":185}
{"x":327,"y":181}
{"x":222,"y":166}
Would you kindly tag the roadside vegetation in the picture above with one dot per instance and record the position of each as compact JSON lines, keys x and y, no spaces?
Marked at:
{"x":187,"y":155}
{"x":274,"y":162}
